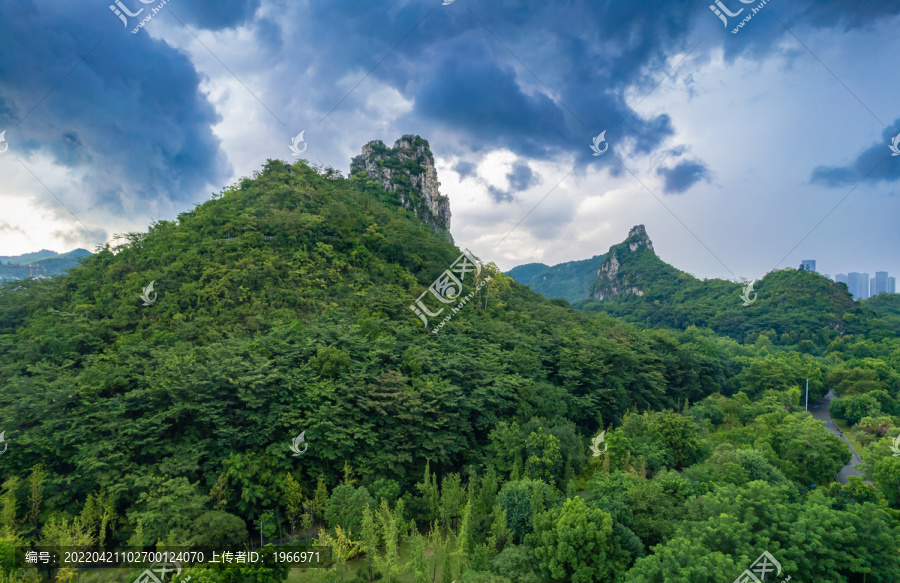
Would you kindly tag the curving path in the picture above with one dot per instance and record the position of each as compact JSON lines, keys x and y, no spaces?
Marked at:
{"x":819,"y":410}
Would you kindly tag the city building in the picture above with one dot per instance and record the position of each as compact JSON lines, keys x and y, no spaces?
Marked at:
{"x":808,"y":265}
{"x":858,"y":284}
{"x":862,"y":287}
{"x":880,"y":283}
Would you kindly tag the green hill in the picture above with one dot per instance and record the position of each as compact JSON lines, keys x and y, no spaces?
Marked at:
{"x":792,"y":307}
{"x":294,"y":307}
{"x":300,"y":322}
{"x":570,"y":281}
{"x":43,"y":263}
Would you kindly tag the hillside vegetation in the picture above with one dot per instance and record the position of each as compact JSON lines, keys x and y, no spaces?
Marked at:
{"x":284,"y":307}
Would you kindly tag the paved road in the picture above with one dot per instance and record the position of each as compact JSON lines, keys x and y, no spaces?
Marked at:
{"x":819,"y":410}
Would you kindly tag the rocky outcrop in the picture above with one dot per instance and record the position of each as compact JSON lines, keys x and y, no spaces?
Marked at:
{"x":408,"y":171}
{"x":610,"y":281}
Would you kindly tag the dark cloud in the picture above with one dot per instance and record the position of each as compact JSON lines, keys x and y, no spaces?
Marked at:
{"x":134,"y":113}
{"x":873,"y":164}
{"x":212,"y":14}
{"x":849,"y":15}
{"x":465,"y":169}
{"x":682,"y":176}
{"x":8,"y":228}
{"x":522,"y":178}
{"x":124,"y":108}
{"x":499,"y":195}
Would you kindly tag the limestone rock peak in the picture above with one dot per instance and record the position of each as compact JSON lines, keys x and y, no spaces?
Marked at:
{"x":407,"y":170}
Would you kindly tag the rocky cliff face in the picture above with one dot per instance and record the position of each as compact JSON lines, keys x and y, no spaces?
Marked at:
{"x":408,"y":171}
{"x":610,"y":282}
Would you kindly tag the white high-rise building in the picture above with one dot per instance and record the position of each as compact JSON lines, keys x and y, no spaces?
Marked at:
{"x":880,"y":283}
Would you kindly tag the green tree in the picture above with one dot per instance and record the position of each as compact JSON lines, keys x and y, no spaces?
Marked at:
{"x":345,"y":507}
{"x":575,"y":543}
{"x":219,"y":529}
{"x":518,"y":564}
{"x":453,"y":496}
{"x":293,"y":500}
{"x":430,"y":493}
{"x":679,"y":434}
{"x":220,"y":493}
{"x":505,"y":446}
{"x":419,"y":564}
{"x":341,"y":545}
{"x":854,"y":407}
{"x":9,"y":506}
{"x":500,"y":533}
{"x":385,"y":488}
{"x":681,"y":560}
{"x":887,"y":477}
{"x":447,"y":568}
{"x":465,"y":542}
{"x":515,"y":499}
{"x":390,"y":525}
{"x":808,"y":452}
{"x":544,"y":461}
{"x":35,"y":495}
{"x":320,"y":498}
{"x":369,"y":539}
{"x":168,"y":505}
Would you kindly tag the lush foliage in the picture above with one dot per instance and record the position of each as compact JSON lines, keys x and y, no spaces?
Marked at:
{"x":284,"y":308}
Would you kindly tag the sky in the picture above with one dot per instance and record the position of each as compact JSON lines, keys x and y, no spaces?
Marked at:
{"x":743,"y":143}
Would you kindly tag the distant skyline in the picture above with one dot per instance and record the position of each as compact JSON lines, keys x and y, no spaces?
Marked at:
{"x":741,"y":153}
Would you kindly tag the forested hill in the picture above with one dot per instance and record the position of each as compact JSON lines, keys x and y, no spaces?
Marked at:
{"x":792,"y":307}
{"x":281,"y":313}
{"x":570,"y":281}
{"x":43,"y":263}
{"x":283,"y":305}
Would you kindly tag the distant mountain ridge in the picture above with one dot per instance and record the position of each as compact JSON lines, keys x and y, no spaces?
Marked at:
{"x":631,"y":282}
{"x":598,"y":277}
{"x":40,"y":263}
{"x":570,"y":281}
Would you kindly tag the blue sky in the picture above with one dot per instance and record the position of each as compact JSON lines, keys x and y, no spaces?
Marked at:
{"x":740,"y":152}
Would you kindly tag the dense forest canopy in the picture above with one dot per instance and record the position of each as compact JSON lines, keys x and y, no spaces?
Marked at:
{"x":284,"y":307}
